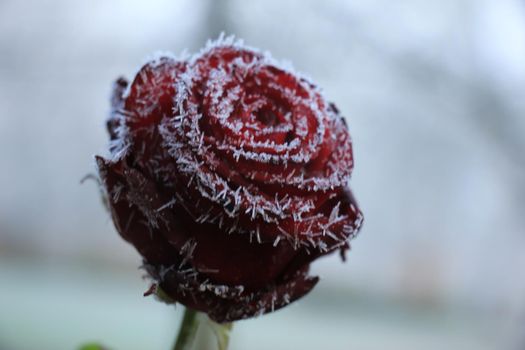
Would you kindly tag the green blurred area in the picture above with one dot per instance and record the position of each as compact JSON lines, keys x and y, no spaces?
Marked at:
{"x":61,"y":306}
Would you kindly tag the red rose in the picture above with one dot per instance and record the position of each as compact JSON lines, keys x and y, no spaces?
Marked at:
{"x":229,"y":175}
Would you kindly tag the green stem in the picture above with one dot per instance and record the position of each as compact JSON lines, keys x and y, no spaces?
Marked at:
{"x":190,"y":325}
{"x":222,"y":334}
{"x":187,"y":330}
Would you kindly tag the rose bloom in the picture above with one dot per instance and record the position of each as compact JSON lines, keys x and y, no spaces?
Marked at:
{"x":228,"y":173}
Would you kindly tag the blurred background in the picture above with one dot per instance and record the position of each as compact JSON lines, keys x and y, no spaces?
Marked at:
{"x":433,"y":92}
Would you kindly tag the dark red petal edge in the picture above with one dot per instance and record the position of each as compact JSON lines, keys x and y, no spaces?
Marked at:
{"x":225,"y":303}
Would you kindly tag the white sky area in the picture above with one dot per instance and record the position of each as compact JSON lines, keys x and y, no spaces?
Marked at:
{"x":500,"y":38}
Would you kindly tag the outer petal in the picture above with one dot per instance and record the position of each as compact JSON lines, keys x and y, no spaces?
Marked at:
{"x":224,"y":303}
{"x":168,"y":235}
{"x":129,"y":220}
{"x":249,"y":279}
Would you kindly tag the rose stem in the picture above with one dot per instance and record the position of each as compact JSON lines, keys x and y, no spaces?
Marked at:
{"x":222,"y":333}
{"x":190,"y":324}
{"x":187,"y":330}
